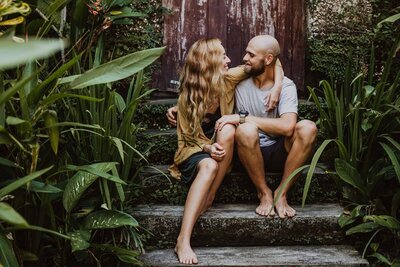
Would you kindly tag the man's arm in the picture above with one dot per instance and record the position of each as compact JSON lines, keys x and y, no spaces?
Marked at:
{"x":283,"y":126}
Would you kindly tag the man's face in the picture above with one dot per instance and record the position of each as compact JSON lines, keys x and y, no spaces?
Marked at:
{"x":254,"y":62}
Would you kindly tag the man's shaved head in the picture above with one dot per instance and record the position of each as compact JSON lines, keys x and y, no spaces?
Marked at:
{"x":265,"y":44}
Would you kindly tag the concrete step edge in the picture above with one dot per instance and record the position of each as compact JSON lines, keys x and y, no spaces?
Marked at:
{"x":338,"y":255}
{"x":239,"y":225}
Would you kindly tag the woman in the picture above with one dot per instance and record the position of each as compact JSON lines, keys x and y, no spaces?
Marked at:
{"x":203,"y":156}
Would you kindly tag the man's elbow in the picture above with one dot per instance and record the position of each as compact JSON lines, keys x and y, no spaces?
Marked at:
{"x":288,"y":129}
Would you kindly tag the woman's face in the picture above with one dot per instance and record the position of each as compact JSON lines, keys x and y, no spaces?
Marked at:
{"x":225,"y":60}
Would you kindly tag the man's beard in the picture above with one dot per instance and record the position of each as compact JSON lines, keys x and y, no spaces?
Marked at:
{"x":255,"y":71}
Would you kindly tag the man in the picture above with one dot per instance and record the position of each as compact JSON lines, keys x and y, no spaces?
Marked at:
{"x":268,"y":139}
{"x":273,"y":140}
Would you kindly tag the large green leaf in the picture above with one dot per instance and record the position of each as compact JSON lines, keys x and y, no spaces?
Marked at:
{"x":11,"y":216}
{"x":125,"y":255}
{"x":363,"y":228}
{"x":348,"y":174}
{"x":22,"y":181}
{"x":50,"y":121}
{"x":40,"y":187}
{"x":80,"y":182}
{"x":118,"y":69}
{"x":345,"y":220}
{"x":8,"y":163}
{"x":311,"y":170}
{"x":105,"y":219}
{"x":39,"y":90}
{"x":95,"y":171}
{"x":80,"y":240}
{"x":13,"y":54}
{"x":54,"y":97}
{"x":392,"y":155}
{"x":4,"y":97}
{"x":390,"y":19}
{"x":7,"y":255}
{"x":384,"y":220}
{"x":10,"y":120}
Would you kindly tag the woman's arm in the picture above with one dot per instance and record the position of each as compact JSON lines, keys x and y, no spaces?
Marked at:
{"x":272,"y":99}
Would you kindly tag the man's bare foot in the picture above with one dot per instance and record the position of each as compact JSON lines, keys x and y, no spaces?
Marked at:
{"x":282,"y":207}
{"x":185,"y":253}
{"x":266,"y":207}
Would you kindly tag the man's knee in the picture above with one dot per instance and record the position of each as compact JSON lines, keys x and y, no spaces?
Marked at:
{"x":307,"y":131}
{"x":247,"y":135}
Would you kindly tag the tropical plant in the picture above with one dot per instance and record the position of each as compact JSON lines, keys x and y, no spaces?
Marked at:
{"x":32,"y":132}
{"x":39,"y":119}
{"x":8,"y":8}
{"x":362,"y":118}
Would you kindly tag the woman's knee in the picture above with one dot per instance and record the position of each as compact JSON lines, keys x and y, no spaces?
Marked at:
{"x":208,"y":167}
{"x":227,"y":134}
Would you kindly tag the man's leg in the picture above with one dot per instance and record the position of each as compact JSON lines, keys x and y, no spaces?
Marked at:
{"x":250,"y":155}
{"x":299,"y":146}
{"x":226,"y":138}
{"x":197,"y":194}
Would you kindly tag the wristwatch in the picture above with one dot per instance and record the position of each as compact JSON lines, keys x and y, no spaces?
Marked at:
{"x":242,"y":116}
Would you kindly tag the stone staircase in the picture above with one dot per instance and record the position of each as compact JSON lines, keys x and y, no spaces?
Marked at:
{"x":231,"y":233}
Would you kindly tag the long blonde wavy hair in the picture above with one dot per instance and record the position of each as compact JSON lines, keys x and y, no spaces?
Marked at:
{"x":201,"y":81}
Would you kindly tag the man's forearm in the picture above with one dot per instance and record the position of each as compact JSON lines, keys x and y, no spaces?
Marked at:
{"x":283,"y":126}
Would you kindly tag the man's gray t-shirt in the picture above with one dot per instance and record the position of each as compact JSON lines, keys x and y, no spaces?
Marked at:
{"x":249,"y":97}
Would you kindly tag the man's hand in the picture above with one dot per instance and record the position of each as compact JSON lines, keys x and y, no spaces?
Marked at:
{"x":171,"y":115}
{"x":216,"y":151}
{"x":227,"y":119}
{"x":272,"y":99}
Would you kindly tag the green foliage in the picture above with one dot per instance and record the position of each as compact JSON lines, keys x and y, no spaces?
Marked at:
{"x":340,"y":31}
{"x":361,"y":116}
{"x":63,"y":110}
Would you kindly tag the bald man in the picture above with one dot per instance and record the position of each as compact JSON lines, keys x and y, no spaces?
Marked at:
{"x":269,"y":140}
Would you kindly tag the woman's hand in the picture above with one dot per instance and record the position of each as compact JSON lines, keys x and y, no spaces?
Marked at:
{"x":171,"y":115}
{"x":227,"y":119}
{"x":216,"y":151}
{"x":272,"y":99}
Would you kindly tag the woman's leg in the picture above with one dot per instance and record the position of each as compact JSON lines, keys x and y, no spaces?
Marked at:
{"x":226,"y":138}
{"x":208,"y":169}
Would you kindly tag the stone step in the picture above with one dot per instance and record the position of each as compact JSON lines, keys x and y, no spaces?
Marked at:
{"x":239,"y":225}
{"x":158,"y":187}
{"x":152,"y":113}
{"x":333,"y":256}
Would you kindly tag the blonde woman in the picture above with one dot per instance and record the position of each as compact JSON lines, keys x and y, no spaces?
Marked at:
{"x":204,"y":155}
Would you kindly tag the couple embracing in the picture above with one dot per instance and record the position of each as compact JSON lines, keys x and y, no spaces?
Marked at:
{"x":219,"y":109}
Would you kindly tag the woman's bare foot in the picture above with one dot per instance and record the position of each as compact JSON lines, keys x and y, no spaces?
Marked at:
{"x":282,"y":207}
{"x":266,"y":207}
{"x":185,"y":253}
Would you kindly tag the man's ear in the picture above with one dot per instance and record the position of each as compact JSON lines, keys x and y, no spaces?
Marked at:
{"x":269,"y":58}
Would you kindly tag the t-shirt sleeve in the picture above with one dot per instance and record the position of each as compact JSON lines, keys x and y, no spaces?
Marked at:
{"x":288,"y":102}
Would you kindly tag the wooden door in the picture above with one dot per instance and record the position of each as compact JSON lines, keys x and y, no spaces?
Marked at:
{"x":235,"y":22}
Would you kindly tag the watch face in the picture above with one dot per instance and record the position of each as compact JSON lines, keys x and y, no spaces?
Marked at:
{"x":243,"y":113}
